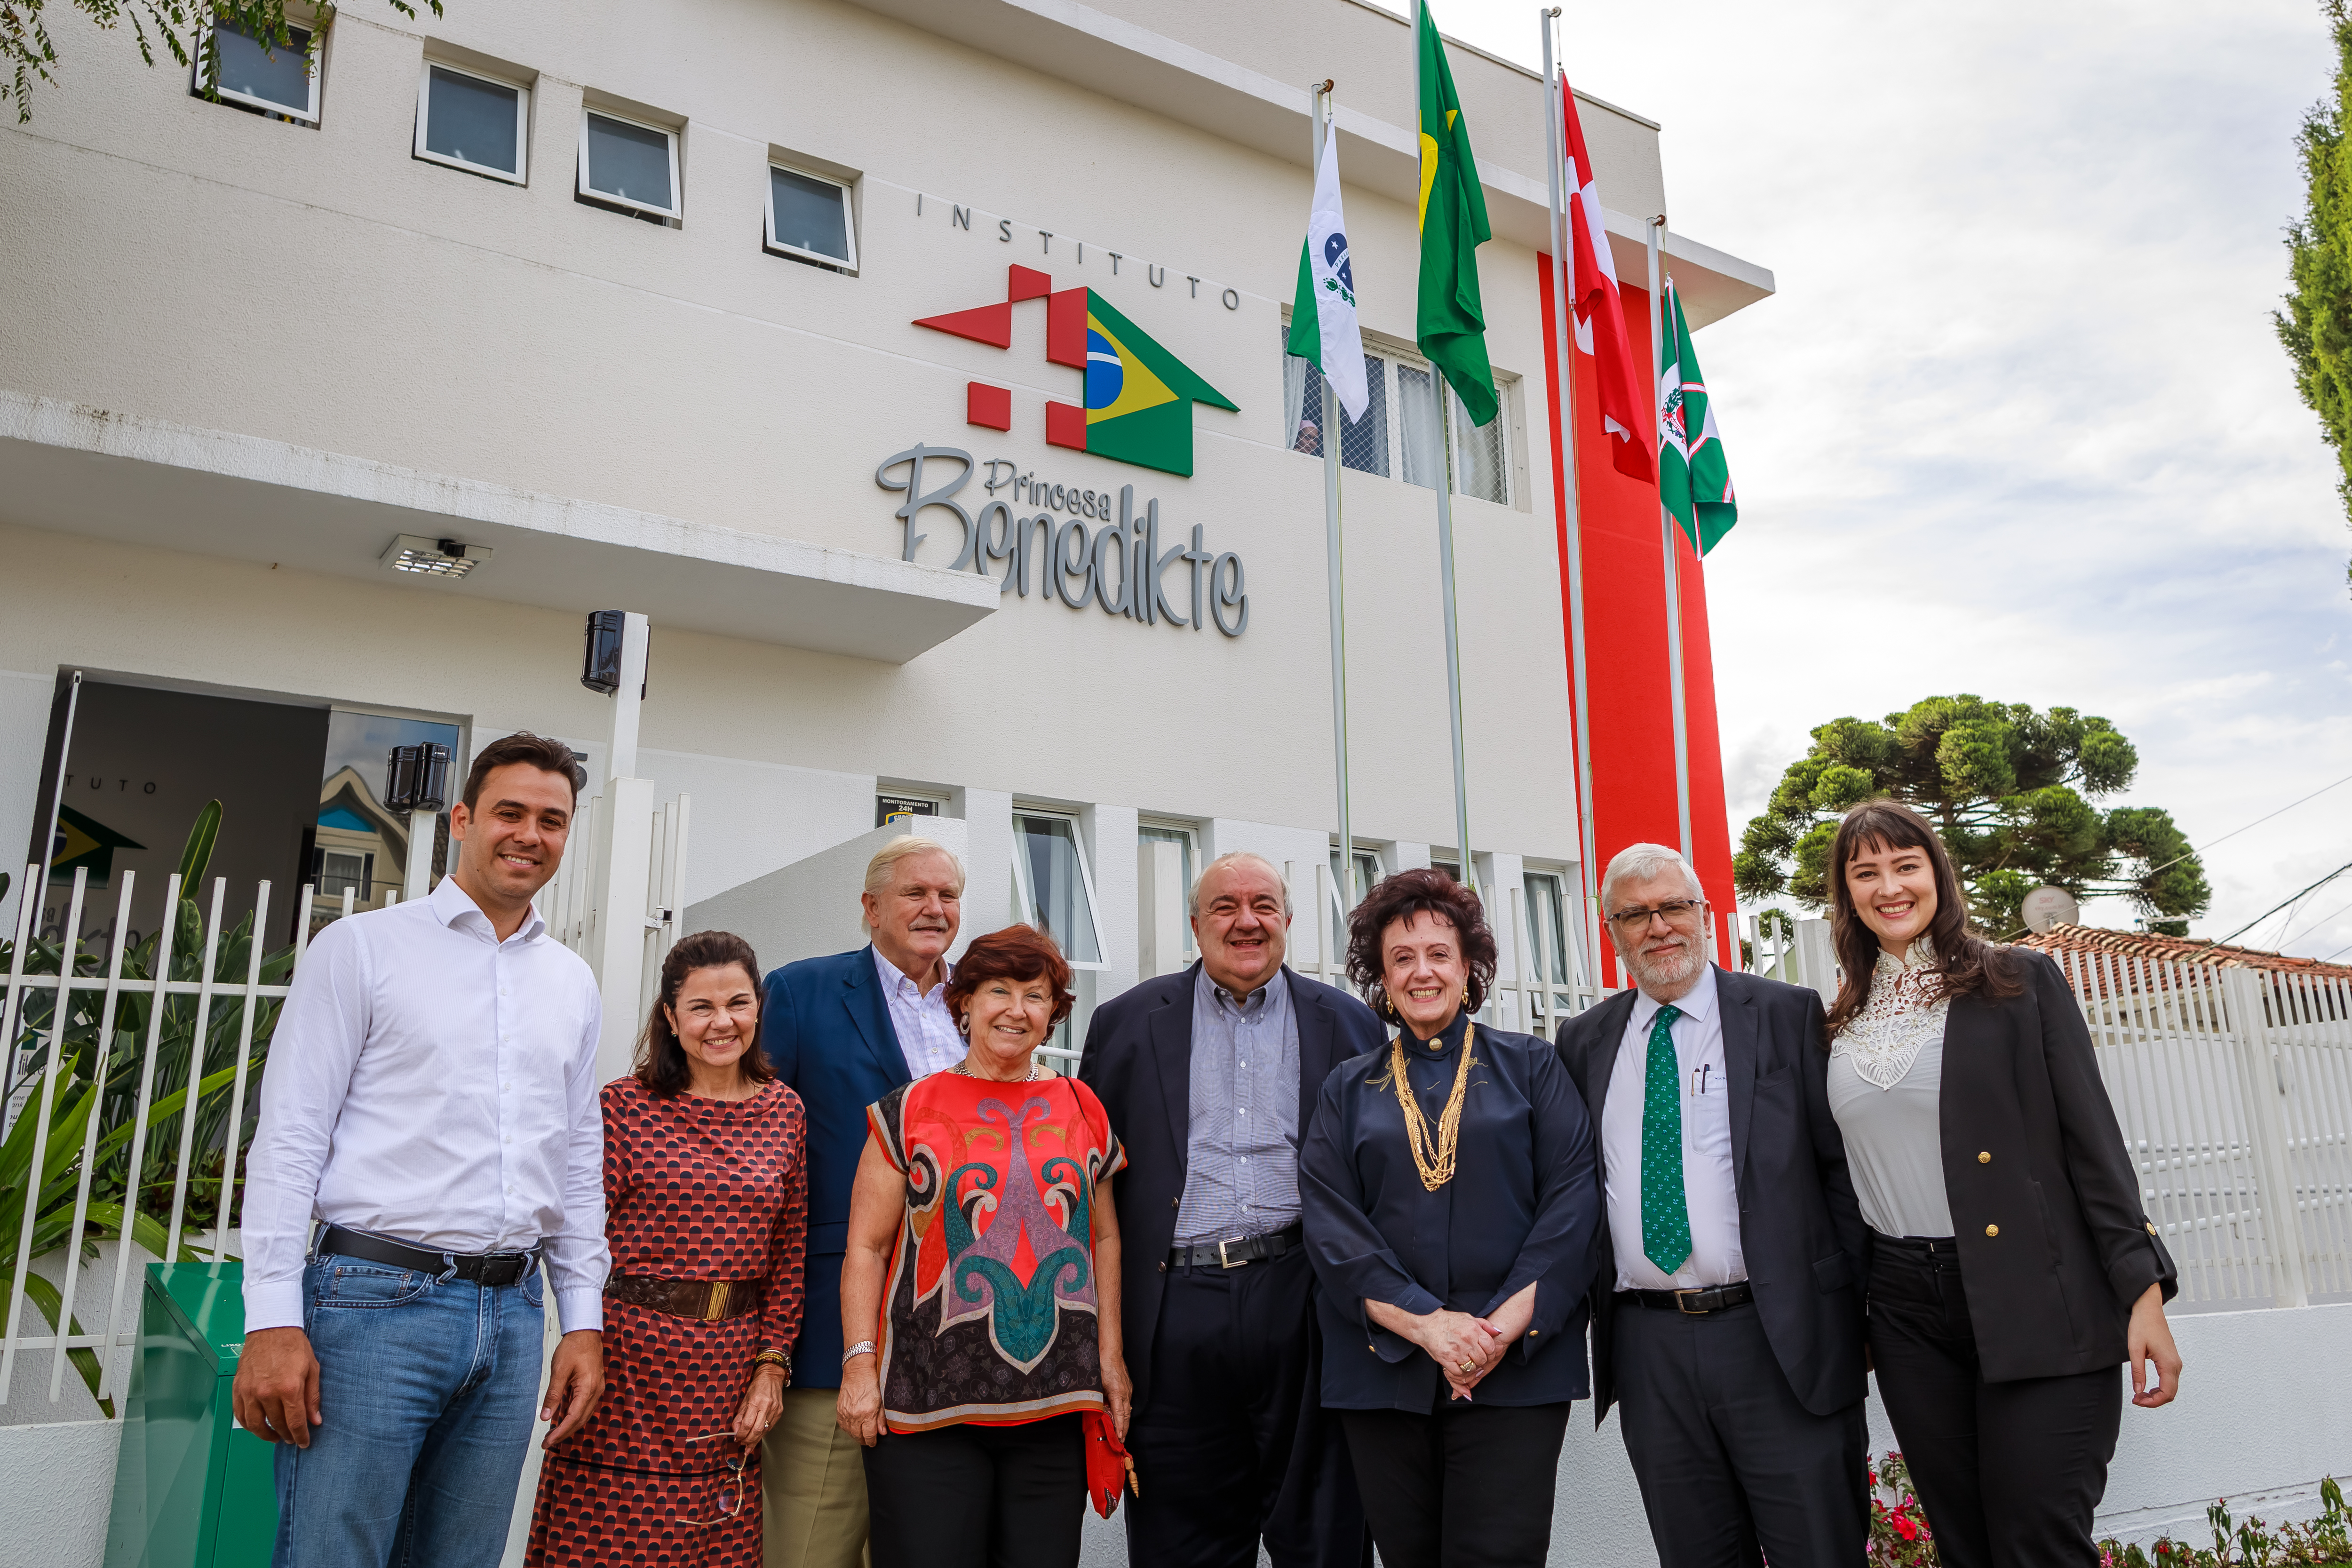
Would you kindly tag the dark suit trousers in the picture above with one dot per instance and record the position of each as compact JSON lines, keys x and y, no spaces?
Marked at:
{"x":2009,"y":1473}
{"x":1465,"y":1486}
{"x":1727,"y":1459}
{"x":1235,"y":1443}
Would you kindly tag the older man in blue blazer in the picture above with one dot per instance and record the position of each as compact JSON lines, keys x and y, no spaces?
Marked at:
{"x":842,"y":1032}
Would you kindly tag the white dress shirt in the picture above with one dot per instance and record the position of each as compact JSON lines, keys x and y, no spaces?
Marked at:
{"x":1709,"y":1187}
{"x":431,"y":1083}
{"x":926,"y":1036}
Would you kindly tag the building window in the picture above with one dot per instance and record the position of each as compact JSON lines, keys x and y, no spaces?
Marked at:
{"x":473,"y":122}
{"x":1368,"y":871}
{"x":1548,"y":951}
{"x":809,"y":219}
{"x":1363,"y":444}
{"x":1184,"y":839}
{"x":1053,"y":887}
{"x":1481,"y":456}
{"x":628,"y":165}
{"x":276,"y":77}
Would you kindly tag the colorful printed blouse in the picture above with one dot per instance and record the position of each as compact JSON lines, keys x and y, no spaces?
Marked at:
{"x":992,"y":1316}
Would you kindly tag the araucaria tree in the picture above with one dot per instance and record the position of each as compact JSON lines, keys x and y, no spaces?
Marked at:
{"x":2006,"y":786}
{"x":2316,"y":327}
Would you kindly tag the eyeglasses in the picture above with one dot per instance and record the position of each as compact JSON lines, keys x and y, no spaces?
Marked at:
{"x":730,"y":1502}
{"x":1680,"y":912}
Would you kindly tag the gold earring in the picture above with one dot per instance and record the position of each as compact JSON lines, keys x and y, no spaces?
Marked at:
{"x":1465,"y":995}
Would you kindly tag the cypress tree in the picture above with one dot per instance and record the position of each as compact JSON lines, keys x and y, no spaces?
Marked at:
{"x":2316,"y":326}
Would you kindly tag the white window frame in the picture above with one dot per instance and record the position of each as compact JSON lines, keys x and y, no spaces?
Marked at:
{"x":677,"y":209}
{"x":317,"y":69}
{"x":1393,"y":359}
{"x":520,"y":175}
{"x":1027,"y":896}
{"x":1146,"y":831}
{"x":849,"y":218}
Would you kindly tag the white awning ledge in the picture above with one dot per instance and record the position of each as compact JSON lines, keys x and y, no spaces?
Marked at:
{"x":70,"y":468}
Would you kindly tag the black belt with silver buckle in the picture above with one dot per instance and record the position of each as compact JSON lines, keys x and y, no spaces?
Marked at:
{"x":1237,"y":1250}
{"x":479,"y":1268}
{"x":1693,"y":1303}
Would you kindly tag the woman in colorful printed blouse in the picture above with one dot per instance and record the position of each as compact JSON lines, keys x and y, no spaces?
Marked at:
{"x":706,"y":1186}
{"x":2012,"y":1267}
{"x":983,"y":1368}
{"x":1450,"y":1207}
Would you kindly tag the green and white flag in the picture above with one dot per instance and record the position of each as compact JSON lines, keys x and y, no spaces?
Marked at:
{"x":1694,"y":477}
{"x":1323,"y":329}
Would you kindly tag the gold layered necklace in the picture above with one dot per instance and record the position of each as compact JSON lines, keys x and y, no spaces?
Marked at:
{"x":1435,"y":1162}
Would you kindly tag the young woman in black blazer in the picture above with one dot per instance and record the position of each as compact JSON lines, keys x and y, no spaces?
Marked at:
{"x":2012,"y":1264}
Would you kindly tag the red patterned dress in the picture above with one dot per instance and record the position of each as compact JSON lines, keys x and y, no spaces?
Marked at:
{"x":694,"y":1189}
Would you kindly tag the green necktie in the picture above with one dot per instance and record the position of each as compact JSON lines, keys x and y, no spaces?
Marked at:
{"x":1666,"y":1216}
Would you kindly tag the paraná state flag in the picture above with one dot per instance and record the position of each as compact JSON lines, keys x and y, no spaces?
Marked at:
{"x":1694,"y":479}
{"x":1450,"y":321}
{"x":1600,"y":311}
{"x":1323,"y":327}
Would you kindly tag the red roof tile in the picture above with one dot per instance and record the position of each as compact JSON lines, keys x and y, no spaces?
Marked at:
{"x":2179,"y":950}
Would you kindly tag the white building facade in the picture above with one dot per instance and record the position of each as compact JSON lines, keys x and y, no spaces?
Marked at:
{"x":649,"y":343}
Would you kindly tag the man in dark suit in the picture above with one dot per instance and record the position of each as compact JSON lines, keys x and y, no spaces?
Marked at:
{"x":1210,"y":1078}
{"x":842,"y":1032}
{"x":1728,"y":1318}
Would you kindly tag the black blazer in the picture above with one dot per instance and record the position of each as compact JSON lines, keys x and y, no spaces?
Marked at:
{"x":1520,"y":1210}
{"x":1800,"y":1227}
{"x":1138,"y":1061}
{"x":2054,"y":1244}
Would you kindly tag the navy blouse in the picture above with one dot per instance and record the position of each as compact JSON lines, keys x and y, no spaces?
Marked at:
{"x":1524,"y":1205}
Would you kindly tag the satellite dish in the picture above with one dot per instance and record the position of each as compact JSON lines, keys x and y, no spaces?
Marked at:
{"x":2047,"y":907}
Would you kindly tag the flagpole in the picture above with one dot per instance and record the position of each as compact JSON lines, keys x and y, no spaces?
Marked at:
{"x":1322,"y":132}
{"x":1563,"y":319}
{"x":1445,"y":555}
{"x":1666,"y":542}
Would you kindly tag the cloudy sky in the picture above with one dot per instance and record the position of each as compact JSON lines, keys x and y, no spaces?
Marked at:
{"x":2017,"y":423}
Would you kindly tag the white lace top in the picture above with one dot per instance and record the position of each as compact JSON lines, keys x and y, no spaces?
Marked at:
{"x":1885,"y":1089}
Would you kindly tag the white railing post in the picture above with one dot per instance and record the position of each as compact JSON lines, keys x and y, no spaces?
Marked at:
{"x":2263,"y":1087}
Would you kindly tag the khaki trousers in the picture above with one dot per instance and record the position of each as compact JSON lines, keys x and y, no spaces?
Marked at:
{"x":812,"y":1484}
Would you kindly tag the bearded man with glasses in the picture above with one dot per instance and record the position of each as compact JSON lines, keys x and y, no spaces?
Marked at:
{"x":1727,"y":1314}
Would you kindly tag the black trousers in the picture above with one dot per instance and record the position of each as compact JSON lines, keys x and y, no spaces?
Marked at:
{"x":2009,"y":1473}
{"x":1465,"y":1486}
{"x":1727,"y":1459}
{"x":978,"y":1497}
{"x":1234,"y":1444}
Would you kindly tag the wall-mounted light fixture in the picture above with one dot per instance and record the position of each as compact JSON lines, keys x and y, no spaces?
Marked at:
{"x":420,"y":557}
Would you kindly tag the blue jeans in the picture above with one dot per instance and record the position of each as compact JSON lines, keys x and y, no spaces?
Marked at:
{"x":429,"y":1394}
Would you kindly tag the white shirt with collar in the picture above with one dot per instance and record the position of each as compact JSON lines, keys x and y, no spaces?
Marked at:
{"x":432,"y":1084}
{"x":1710,"y":1188}
{"x":928,"y":1037}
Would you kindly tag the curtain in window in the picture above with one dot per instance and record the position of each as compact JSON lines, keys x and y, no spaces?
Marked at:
{"x":1478,"y":462}
{"x":1425,"y":460}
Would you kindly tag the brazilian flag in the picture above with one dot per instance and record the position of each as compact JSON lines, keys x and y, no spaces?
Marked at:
{"x":1139,"y":396}
{"x":1451,"y":321}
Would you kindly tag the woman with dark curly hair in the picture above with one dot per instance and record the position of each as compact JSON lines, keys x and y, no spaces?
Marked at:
{"x":1451,"y":1207}
{"x":979,"y":1229}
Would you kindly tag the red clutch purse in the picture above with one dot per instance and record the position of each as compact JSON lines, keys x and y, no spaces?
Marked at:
{"x":1109,"y":1471}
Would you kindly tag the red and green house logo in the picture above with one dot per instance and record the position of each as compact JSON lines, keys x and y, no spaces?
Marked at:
{"x":1139,"y":397}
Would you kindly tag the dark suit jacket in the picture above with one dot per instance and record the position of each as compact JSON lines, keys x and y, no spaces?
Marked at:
{"x":1807,"y":1248}
{"x":1138,"y":1061}
{"x":825,"y":1028}
{"x":2052,"y":1292}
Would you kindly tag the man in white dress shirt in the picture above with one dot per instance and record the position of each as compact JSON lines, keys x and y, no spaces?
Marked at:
{"x":430,"y":1108}
{"x":1727,"y":1320}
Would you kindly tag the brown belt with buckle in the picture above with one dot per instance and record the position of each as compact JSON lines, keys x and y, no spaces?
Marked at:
{"x":711,"y":1300}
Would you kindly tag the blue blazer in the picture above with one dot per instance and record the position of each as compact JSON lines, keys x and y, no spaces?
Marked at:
{"x":825,"y":1028}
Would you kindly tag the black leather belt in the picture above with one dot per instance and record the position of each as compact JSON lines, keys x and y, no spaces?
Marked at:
{"x":1240,"y":1249}
{"x":479,"y":1268}
{"x":1691,"y":1303}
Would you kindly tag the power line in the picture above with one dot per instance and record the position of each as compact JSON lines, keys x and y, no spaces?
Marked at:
{"x":2285,"y":903}
{"x":2317,"y":924}
{"x":2257,"y":822}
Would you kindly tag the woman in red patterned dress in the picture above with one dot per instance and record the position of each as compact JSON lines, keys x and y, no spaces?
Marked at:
{"x":985,"y":1374}
{"x":706,"y":1188}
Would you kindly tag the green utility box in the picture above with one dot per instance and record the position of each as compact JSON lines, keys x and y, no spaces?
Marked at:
{"x":193,"y":1488}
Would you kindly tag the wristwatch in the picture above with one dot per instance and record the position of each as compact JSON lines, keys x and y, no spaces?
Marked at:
{"x":863,"y":1347}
